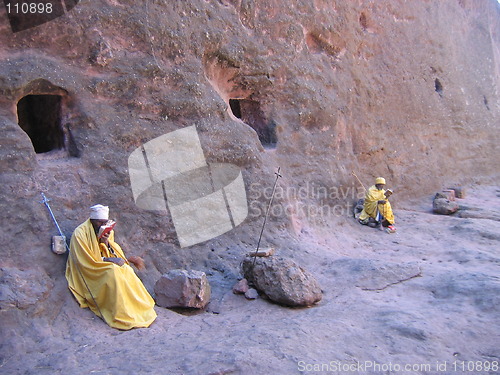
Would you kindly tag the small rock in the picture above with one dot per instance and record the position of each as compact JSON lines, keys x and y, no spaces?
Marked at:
{"x":459,"y":192}
{"x":262,"y":252}
{"x":181,"y":288}
{"x":449,"y":194}
{"x":241,"y":287}
{"x":251,"y":293}
{"x":444,"y":206}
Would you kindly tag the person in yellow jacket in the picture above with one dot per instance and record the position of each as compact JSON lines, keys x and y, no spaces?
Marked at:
{"x":377,"y":206}
{"x":101,"y":278}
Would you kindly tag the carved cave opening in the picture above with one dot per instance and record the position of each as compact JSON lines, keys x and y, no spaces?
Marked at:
{"x":40,"y":117}
{"x":250,"y":113}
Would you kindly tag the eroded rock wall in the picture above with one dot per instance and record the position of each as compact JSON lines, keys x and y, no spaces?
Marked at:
{"x":406,"y":90}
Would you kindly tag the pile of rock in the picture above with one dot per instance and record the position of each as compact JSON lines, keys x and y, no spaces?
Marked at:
{"x":444,"y":202}
{"x":277,"y":278}
{"x":242,"y":287}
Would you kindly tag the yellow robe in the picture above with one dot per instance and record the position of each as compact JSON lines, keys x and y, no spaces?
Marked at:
{"x":371,"y":206}
{"x":122,"y":298}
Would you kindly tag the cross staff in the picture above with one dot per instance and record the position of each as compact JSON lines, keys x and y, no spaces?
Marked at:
{"x":267,"y":214}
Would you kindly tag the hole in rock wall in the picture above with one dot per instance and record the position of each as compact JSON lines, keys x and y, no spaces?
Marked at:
{"x":485,"y":101}
{"x":250,"y":113}
{"x":438,"y":87}
{"x":226,"y":78}
{"x":235,"y":106}
{"x":363,"y":21}
{"x":40,"y":117}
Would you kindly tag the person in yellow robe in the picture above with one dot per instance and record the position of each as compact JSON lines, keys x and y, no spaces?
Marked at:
{"x":377,"y":206}
{"x":101,"y":278}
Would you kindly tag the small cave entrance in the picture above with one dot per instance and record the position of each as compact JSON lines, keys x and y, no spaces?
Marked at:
{"x":40,"y":117}
{"x":250,"y":113}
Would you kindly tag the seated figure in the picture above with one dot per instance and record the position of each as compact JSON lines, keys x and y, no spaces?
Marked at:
{"x":100,"y":277}
{"x":377,"y":208}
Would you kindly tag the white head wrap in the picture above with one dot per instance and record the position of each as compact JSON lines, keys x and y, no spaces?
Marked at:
{"x":99,"y":212}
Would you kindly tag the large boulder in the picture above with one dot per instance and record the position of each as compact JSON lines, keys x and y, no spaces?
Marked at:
{"x":282,"y":280}
{"x":181,"y":288}
{"x":444,"y":206}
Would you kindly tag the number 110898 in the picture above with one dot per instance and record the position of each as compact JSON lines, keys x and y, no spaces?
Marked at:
{"x":29,"y":8}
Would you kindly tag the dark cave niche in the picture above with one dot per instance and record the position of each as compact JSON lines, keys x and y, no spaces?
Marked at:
{"x":363,"y":21}
{"x":40,"y":117}
{"x":250,"y":113}
{"x":438,"y":87}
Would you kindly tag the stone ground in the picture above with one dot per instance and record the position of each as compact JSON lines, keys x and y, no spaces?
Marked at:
{"x":427,"y":296}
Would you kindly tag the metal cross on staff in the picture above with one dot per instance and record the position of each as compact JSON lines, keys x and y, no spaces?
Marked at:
{"x":267,"y":214}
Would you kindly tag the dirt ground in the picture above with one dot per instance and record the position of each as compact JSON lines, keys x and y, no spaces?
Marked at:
{"x":424,"y":300}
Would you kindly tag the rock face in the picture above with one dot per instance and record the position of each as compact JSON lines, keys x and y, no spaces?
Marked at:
{"x":319,"y":88}
{"x":283,"y":281}
{"x":405,"y":90}
{"x":181,"y":288}
{"x":17,"y":290}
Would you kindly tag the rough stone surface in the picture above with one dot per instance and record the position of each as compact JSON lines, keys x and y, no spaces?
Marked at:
{"x":17,"y":289}
{"x":369,"y":274}
{"x":407,"y":90}
{"x":283,"y":281}
{"x":444,"y":206}
{"x":181,"y":288}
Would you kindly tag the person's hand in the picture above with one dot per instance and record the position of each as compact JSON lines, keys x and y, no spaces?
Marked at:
{"x":382,"y":202}
{"x":137,"y":261}
{"x":118,"y":261}
{"x":104,"y":239}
